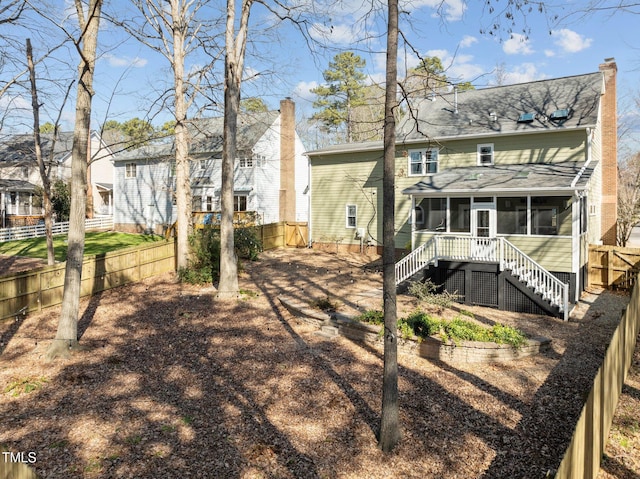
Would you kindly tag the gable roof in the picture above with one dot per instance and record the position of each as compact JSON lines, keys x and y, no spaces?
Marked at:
{"x":489,"y":112}
{"x":20,"y":148}
{"x":206,"y":137}
{"x":520,"y":108}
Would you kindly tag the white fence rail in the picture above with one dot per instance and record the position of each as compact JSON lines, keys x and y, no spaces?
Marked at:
{"x":22,"y":232}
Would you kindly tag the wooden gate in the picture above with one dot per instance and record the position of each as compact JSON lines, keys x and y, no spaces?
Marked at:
{"x":613,"y":266}
{"x":296,"y":234}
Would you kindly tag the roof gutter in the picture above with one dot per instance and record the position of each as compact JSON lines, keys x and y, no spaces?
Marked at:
{"x":378,"y":146}
{"x":489,"y":191}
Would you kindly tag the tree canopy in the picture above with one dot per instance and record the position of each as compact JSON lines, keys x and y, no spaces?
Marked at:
{"x":342,"y":92}
{"x":430,"y":77}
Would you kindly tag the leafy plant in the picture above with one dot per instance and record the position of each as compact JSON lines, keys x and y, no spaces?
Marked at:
{"x":24,"y":385}
{"x":371,"y":316}
{"x":422,"y":326}
{"x":204,"y":266}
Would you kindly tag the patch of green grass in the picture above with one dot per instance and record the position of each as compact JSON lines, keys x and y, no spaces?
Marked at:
{"x":133,"y":439}
{"x":24,"y":385}
{"x":94,"y":465}
{"x":94,"y":243}
{"x":187,"y":420}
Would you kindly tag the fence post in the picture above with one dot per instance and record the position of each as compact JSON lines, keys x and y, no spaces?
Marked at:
{"x":609,"y":268}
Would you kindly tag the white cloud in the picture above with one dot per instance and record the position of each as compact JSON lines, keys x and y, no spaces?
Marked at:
{"x":467,"y":41}
{"x":549,"y":53}
{"x":518,"y":44}
{"x":570,"y":41}
{"x":302,"y":90}
{"x":451,"y":10}
{"x":343,"y":34}
{"x":118,"y":62}
{"x":523,"y":73}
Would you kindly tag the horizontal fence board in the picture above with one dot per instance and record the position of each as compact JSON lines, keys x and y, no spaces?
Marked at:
{"x":582,"y":458}
{"x":43,"y":287}
{"x":613,"y":266}
{"x":23,"y":232}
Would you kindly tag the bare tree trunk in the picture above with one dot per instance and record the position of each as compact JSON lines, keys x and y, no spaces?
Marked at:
{"x":183,"y":179}
{"x":67,"y":334}
{"x":44,"y":173}
{"x":234,"y":60}
{"x":389,"y":424}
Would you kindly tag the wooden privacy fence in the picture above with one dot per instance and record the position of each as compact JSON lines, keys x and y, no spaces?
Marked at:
{"x":613,"y":266}
{"x":42,"y":287}
{"x":285,"y":233}
{"x":583,"y":456}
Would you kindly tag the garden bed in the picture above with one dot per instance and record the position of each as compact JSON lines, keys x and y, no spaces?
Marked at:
{"x":430,"y":348}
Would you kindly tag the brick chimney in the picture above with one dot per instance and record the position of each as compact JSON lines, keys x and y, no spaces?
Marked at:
{"x":609,"y":119}
{"x":287,"y":160}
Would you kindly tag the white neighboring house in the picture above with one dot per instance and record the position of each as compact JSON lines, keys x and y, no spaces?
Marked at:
{"x":270,"y":178}
{"x":20,"y":175}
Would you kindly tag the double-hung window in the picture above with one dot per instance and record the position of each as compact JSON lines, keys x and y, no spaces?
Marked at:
{"x":485,"y":154}
{"x":352,"y":216}
{"x":423,"y":162}
{"x":239,"y":202}
{"x":130,"y":170}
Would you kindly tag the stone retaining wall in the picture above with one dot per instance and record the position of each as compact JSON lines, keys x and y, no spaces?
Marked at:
{"x":430,"y":348}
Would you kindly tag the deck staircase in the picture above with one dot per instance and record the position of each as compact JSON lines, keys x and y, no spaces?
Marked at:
{"x":464,"y":248}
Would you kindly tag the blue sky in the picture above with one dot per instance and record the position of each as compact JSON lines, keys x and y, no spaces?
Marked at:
{"x":128,"y":74}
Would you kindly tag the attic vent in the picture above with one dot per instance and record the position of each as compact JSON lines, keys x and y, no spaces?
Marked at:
{"x":522,"y":174}
{"x":527,"y":117}
{"x":559,"y":115}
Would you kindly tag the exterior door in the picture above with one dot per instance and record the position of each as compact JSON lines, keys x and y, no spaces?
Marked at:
{"x":483,"y":229}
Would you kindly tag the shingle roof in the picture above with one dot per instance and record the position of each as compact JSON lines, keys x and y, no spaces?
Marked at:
{"x":438,"y":120}
{"x":17,"y":185}
{"x":19,"y":148}
{"x":469,"y":113}
{"x":206,"y":137}
{"x":567,"y":176}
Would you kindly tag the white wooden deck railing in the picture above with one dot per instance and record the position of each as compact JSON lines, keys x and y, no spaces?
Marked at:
{"x":499,"y":250}
{"x":22,"y":232}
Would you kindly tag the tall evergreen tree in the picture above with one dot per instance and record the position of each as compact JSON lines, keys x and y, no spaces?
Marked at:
{"x":343,"y":91}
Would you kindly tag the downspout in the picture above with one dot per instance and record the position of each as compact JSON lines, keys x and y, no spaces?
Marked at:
{"x":309,"y":216}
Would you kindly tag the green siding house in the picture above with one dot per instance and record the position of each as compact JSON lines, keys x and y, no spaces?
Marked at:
{"x":499,"y":191}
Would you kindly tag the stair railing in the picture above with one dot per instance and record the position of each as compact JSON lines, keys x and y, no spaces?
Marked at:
{"x":535,"y":276}
{"x":487,"y":249}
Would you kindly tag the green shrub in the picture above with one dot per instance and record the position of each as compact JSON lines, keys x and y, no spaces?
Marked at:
{"x":423,"y":326}
{"x":204,"y":265}
{"x":371,"y":316}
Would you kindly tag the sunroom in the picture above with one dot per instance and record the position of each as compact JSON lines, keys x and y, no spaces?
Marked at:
{"x":502,"y":236}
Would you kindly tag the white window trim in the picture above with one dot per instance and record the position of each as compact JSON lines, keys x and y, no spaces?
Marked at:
{"x":423,"y":170}
{"x":127,"y":174}
{"x":479,"y":156}
{"x":347,"y":216}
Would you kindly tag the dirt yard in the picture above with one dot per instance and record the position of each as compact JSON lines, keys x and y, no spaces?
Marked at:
{"x":173,"y":384}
